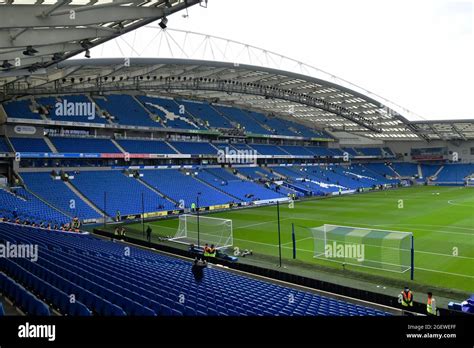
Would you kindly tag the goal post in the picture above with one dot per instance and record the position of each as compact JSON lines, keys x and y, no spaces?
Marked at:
{"x":203,"y":229}
{"x":385,"y":250}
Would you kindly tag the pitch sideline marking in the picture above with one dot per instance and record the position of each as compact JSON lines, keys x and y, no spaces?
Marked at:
{"x":311,"y":251}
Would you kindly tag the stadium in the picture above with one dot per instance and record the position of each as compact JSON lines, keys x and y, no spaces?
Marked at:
{"x":190,"y":175}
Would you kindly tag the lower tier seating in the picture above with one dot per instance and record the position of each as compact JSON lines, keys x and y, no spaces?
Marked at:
{"x":106,"y":282}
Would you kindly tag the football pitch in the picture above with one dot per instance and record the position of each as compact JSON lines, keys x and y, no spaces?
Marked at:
{"x":440,"y":218}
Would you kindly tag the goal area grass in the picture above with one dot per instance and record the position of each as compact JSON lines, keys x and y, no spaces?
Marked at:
{"x":440,"y":218}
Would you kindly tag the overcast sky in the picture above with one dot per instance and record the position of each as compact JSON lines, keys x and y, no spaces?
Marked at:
{"x":416,"y":53}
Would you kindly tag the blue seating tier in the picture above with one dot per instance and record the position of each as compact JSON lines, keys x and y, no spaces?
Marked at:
{"x":30,"y":145}
{"x":84,"y":145}
{"x":145,"y":283}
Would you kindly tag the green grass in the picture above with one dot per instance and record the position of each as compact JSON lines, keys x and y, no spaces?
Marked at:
{"x":441,"y":219}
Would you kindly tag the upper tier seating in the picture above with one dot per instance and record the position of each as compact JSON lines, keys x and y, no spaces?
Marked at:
{"x":123,"y":194}
{"x":59,"y":195}
{"x":277,"y":125}
{"x":146,"y":146}
{"x":30,"y":145}
{"x":206,"y":113}
{"x":147,"y":283}
{"x":241,"y":119}
{"x":84,"y":145}
{"x":84,"y":109}
{"x":169,"y":112}
{"x":20,"y":109}
{"x":179,"y":186}
{"x":126,"y":110}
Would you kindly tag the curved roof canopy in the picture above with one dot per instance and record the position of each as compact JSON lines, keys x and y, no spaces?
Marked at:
{"x":306,"y":94}
{"x":35,"y":34}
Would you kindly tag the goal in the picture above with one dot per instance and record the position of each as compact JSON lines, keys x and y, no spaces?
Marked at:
{"x":365,"y":247}
{"x":200,"y":230}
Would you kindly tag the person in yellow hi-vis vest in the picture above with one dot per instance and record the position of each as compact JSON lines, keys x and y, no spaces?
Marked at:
{"x":406,"y":297}
{"x":431,"y":304}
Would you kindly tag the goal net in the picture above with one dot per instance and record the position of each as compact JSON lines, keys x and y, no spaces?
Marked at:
{"x":203,"y":229}
{"x":364,"y":247}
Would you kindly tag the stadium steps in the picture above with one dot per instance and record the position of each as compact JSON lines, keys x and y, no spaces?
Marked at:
{"x":274,"y":172}
{"x":420,"y":172}
{"x":438,"y":172}
{"x":238,"y":174}
{"x":189,"y":116}
{"x":50,"y":145}
{"x":223,"y":116}
{"x":35,"y":106}
{"x":215,"y":188}
{"x":143,"y":182}
{"x":396,"y":173}
{"x":174,"y":149}
{"x":84,"y":198}
{"x":220,"y":177}
{"x":47,"y":203}
{"x":152,"y":116}
{"x":282,"y":149}
{"x":13,"y":194}
{"x":118,"y":146}
{"x":9,"y":308}
{"x":99,"y":111}
{"x":3,"y":115}
{"x":7,"y":140}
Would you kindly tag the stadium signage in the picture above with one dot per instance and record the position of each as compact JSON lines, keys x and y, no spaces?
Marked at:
{"x":37,"y":331}
{"x":218,"y":207}
{"x":155,"y":214}
{"x":27,"y":130}
{"x":19,"y":251}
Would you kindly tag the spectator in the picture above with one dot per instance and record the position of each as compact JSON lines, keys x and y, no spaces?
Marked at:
{"x":206,"y":250}
{"x":212,"y":251}
{"x":198,"y":269}
{"x":148,"y":234}
{"x":431,"y":305}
